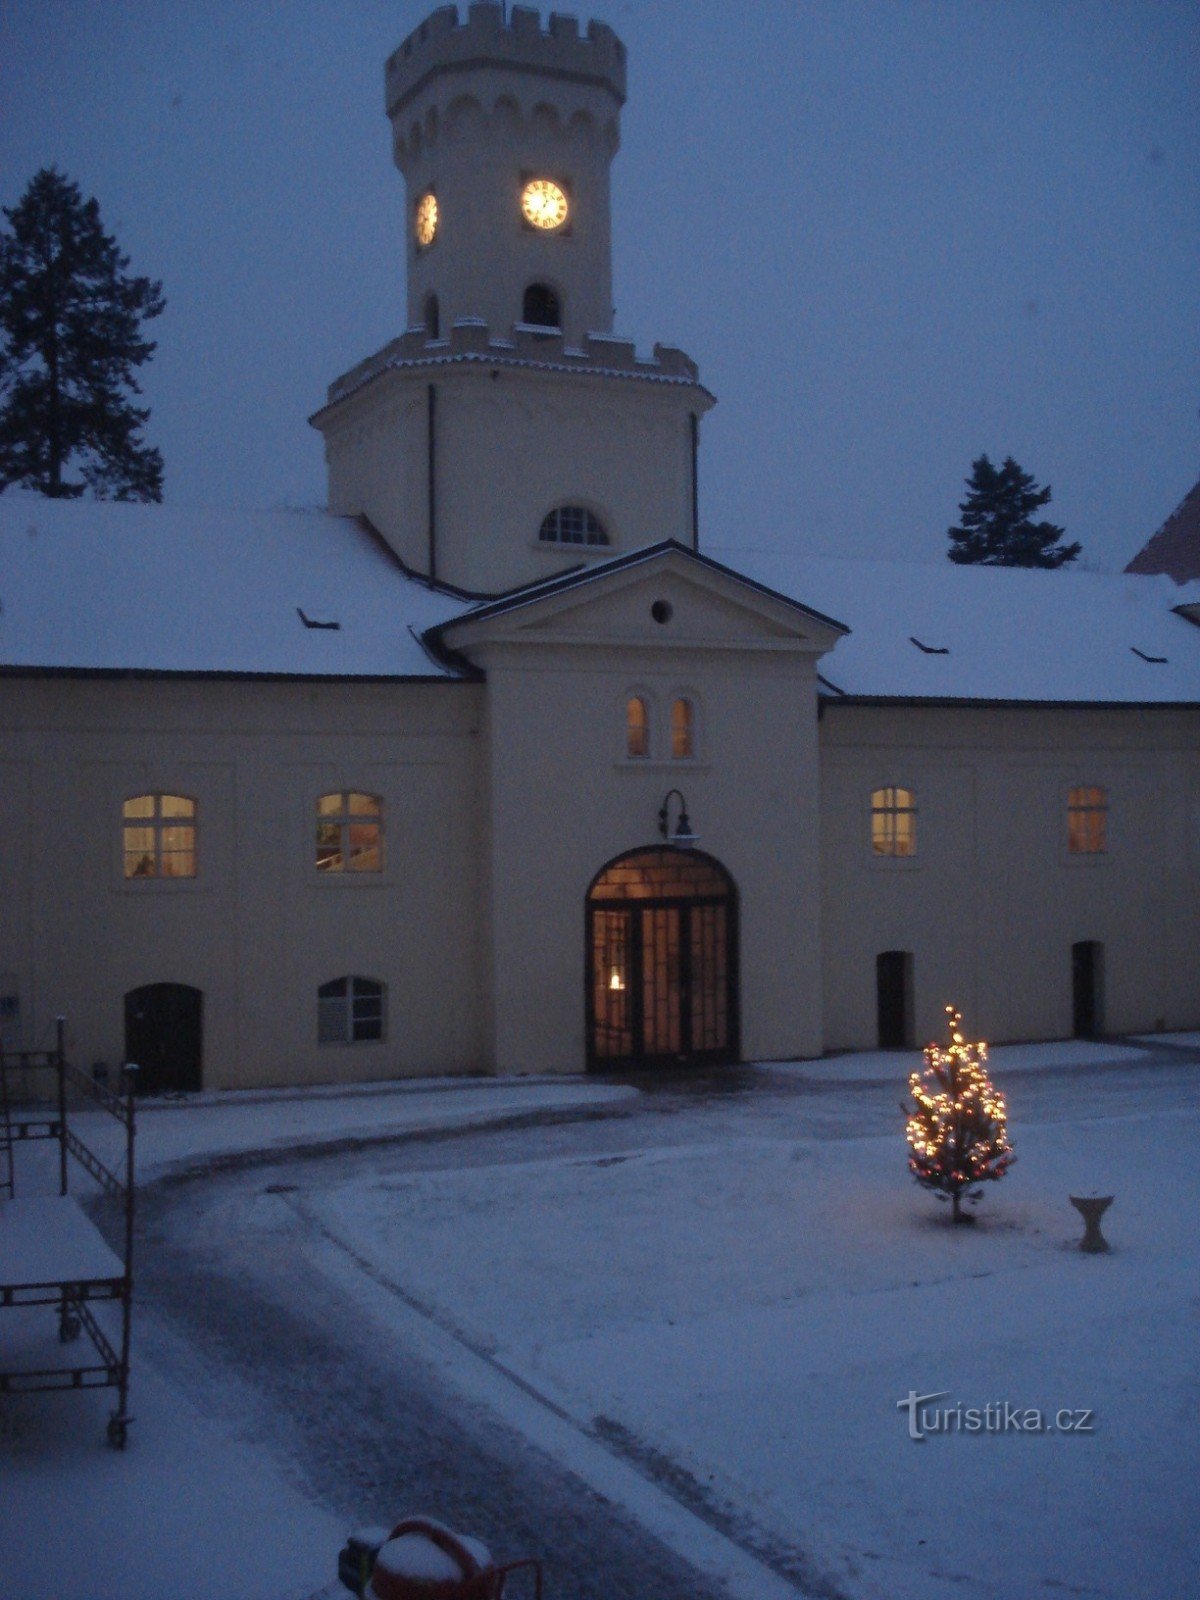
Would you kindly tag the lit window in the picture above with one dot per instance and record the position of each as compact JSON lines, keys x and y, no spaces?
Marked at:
{"x":349,"y":1011}
{"x":893,"y":822}
{"x":572,"y":525}
{"x":683,"y":724}
{"x":349,"y":832}
{"x":1087,"y":822}
{"x":159,"y":836}
{"x":637,"y":729}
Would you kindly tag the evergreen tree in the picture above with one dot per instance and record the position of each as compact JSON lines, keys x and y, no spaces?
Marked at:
{"x":958,"y":1131}
{"x":996,"y":528}
{"x":70,"y":338}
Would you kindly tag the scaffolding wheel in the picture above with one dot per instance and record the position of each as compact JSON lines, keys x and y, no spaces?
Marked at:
{"x":68,"y":1327}
{"x":118,"y":1432}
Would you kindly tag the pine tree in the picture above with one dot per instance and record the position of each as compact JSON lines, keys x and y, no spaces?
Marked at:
{"x":958,"y":1131}
{"x":70,"y":338}
{"x":996,"y":528}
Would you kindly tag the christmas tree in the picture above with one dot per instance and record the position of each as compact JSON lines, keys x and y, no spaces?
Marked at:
{"x":957,"y":1133}
{"x":70,"y":338}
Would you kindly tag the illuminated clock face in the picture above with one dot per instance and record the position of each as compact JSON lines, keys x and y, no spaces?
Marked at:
{"x":427,"y":219}
{"x":543,"y":204}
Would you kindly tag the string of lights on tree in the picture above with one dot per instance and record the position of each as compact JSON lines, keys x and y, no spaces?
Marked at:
{"x":958,"y":1130}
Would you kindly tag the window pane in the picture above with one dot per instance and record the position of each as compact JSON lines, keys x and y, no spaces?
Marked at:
{"x":178,"y":864}
{"x":368,"y":1028}
{"x":681,"y":730}
{"x":363,"y":805}
{"x":365,"y":854}
{"x":141,"y":805}
{"x":139,"y":864}
{"x":331,"y":1021}
{"x":637,"y":729}
{"x":327,"y":991}
{"x":330,"y":805}
{"x":364,"y":987}
{"x":329,"y":847}
{"x":175,"y":805}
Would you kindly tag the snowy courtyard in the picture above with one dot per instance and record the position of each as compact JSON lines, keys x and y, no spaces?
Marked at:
{"x":710,"y":1307}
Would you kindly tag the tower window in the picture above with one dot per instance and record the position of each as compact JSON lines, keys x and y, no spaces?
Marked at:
{"x":572,"y":525}
{"x":540,"y":307}
{"x":433,"y":319}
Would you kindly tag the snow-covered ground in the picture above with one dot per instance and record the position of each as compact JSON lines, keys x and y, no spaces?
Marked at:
{"x":719,"y":1292}
{"x":756,"y":1312}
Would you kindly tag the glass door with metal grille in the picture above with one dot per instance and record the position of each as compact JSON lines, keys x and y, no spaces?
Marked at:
{"x":662,"y":963}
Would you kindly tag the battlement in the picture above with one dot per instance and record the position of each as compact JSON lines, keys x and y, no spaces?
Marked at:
{"x":602,"y":354}
{"x":443,"y":44}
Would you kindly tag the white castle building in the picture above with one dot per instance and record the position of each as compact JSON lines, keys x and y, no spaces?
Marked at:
{"x":300,"y":797}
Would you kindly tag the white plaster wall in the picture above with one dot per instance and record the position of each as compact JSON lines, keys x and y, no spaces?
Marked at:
{"x":511,"y":444}
{"x":993,"y":902}
{"x":258,"y":929}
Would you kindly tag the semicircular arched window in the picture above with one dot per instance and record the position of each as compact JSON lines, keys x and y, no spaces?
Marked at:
{"x":572,"y":525}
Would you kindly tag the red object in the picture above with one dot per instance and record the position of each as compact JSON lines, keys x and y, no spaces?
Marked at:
{"x":398,"y":1576}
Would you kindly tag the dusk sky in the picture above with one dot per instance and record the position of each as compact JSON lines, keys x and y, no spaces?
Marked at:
{"x":894,"y":236}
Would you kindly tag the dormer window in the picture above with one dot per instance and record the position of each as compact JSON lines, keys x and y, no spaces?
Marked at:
{"x":572,"y":525}
{"x":540,"y":307}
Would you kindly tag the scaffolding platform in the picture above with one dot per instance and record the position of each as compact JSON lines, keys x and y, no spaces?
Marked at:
{"x":51,"y":1252}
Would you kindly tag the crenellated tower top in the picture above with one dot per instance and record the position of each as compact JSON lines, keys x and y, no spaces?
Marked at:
{"x":505,"y":132}
{"x":443,"y":44}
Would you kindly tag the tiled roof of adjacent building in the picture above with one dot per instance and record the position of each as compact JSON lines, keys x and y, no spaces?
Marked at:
{"x":1175,"y":548}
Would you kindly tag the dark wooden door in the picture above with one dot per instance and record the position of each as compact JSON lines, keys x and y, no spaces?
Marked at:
{"x":893,"y":988}
{"x":163,"y":1036}
{"x":1086,"y":974}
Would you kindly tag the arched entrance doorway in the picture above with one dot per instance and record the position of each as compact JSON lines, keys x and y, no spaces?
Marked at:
{"x":163,"y":1036}
{"x":661,"y":962}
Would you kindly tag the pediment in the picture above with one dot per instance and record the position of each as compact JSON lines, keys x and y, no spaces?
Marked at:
{"x":667,"y":599}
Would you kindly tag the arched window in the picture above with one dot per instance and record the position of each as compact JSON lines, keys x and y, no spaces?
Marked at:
{"x":433,"y":318}
{"x":683,"y":730}
{"x":349,"y":832}
{"x":572,"y":525}
{"x":893,"y":822}
{"x":350,"y":1011}
{"x":1087,"y":821}
{"x":540,"y":307}
{"x":637,"y":728}
{"x":159,"y":836}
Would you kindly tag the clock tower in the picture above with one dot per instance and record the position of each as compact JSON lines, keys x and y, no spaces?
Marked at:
{"x":509,"y":433}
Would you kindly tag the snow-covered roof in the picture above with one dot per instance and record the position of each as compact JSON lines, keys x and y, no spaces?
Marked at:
{"x":934,"y":630}
{"x":91,"y":585}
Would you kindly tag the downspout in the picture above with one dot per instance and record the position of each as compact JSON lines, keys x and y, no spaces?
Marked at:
{"x":695,"y":481}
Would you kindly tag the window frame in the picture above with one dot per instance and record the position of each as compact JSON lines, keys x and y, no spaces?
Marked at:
{"x":893,"y":809}
{"x":1087,"y":813}
{"x":345,"y":819}
{"x":684,"y":697}
{"x":157,"y":823}
{"x":345,"y":1007}
{"x":580,"y":547}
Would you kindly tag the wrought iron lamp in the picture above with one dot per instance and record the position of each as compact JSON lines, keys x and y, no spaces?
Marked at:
{"x":683,"y":838}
